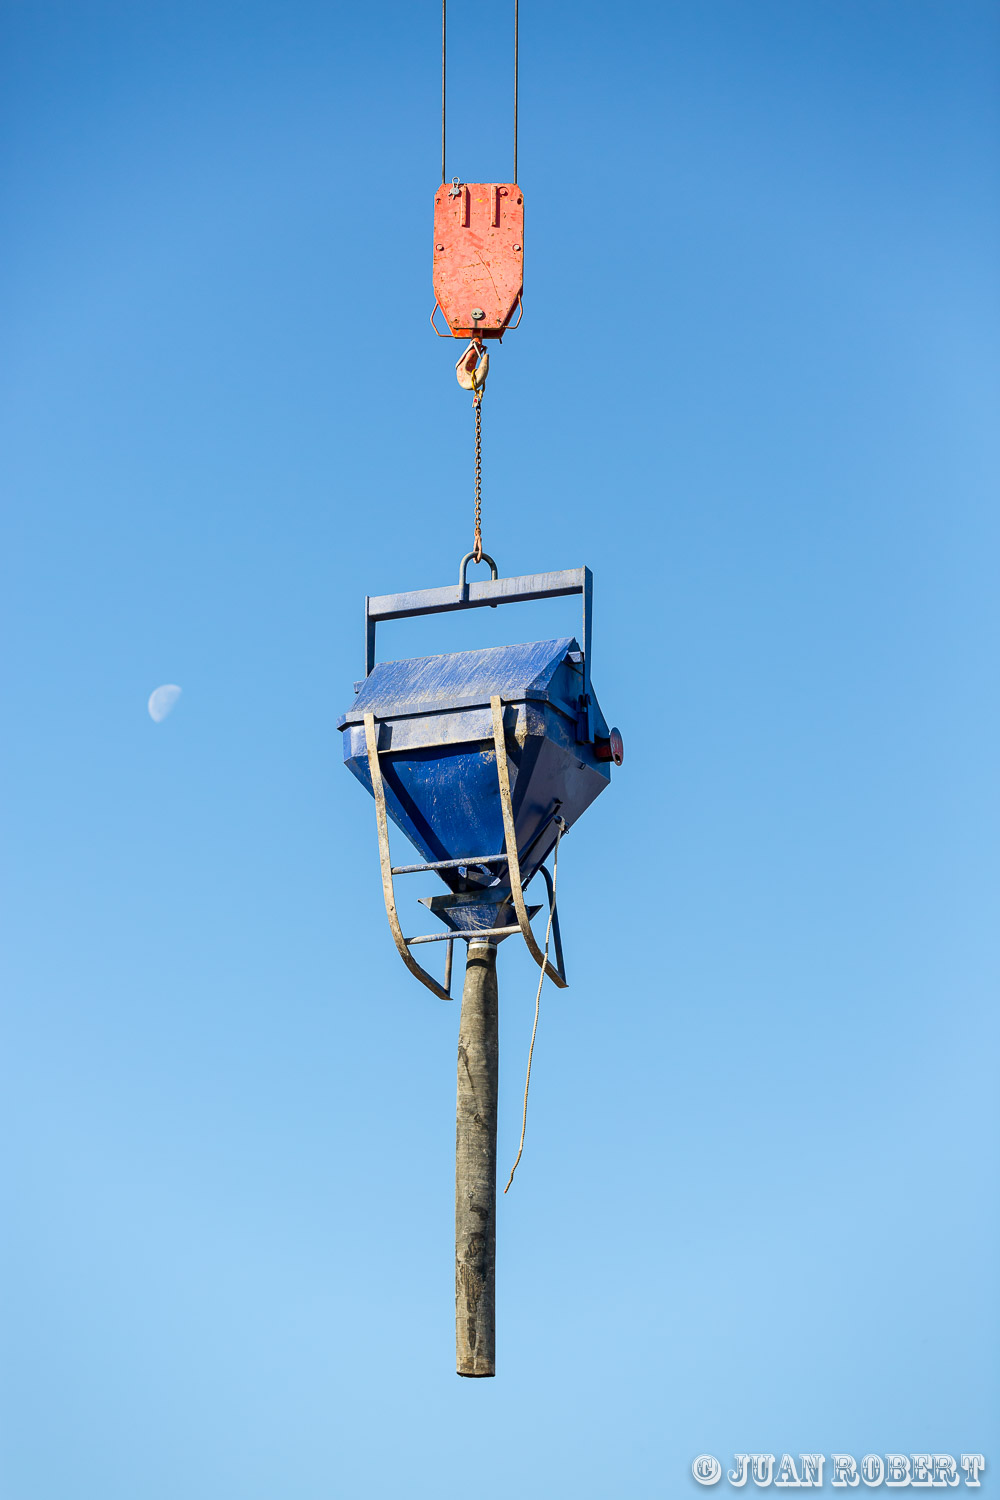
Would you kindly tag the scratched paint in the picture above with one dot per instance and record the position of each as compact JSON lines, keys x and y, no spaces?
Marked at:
{"x":438,"y":759}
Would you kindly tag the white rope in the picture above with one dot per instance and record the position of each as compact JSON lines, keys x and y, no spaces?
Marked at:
{"x":538,"y":998}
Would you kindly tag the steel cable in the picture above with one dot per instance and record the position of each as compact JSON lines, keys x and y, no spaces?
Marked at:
{"x":444,"y":75}
{"x":515,"y":89}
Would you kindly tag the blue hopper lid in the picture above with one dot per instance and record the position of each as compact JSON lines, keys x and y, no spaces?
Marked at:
{"x":461,"y":679}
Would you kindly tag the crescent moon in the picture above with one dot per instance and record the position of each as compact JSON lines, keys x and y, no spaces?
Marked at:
{"x":162,"y":700}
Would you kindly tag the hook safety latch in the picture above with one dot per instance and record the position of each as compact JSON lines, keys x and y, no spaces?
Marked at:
{"x":473,"y":367}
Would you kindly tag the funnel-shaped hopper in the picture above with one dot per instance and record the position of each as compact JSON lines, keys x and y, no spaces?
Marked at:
{"x":438,"y":759}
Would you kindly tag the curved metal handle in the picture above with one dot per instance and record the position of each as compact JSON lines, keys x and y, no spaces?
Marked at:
{"x":486,"y":558}
{"x":510,"y":841}
{"x":371,"y":741}
{"x":449,"y":334}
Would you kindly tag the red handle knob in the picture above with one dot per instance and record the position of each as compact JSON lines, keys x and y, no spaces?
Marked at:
{"x":612,"y":748}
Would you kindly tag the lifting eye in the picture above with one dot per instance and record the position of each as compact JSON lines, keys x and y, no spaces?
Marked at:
{"x":612,"y":748}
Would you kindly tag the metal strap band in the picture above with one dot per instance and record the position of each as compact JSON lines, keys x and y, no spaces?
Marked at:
{"x":510,"y":839}
{"x":371,"y":739}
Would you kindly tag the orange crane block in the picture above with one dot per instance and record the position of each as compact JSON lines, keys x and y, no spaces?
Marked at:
{"x":478,"y":250}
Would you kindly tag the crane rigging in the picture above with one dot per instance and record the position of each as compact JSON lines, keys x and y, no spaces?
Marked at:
{"x":483,"y":759}
{"x":478,"y":258}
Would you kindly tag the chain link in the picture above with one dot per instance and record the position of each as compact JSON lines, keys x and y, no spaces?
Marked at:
{"x":477,"y":406}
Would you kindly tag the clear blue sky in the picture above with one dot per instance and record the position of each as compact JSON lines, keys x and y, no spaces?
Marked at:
{"x":755,"y":389}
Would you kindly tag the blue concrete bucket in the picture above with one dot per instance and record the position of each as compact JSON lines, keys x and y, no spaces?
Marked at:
{"x":482,"y":758}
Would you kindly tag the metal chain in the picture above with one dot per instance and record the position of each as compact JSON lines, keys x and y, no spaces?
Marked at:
{"x":477,"y":406}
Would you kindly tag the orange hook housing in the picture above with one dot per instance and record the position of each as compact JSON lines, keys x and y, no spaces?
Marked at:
{"x":478,"y":254}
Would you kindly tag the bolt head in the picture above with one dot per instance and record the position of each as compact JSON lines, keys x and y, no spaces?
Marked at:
{"x":438,"y":247}
{"x":517,"y":247}
{"x":477,"y":315}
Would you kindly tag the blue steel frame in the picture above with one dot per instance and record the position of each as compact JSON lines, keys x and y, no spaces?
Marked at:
{"x":446,"y":600}
{"x":557,"y":972}
{"x":381,"y":607}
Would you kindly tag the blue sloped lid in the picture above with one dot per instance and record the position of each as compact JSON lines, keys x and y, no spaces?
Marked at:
{"x":462,"y":679}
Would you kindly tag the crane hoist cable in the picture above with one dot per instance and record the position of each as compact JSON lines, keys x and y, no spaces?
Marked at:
{"x":478,"y":234}
{"x":444,"y":86}
{"x":478,"y":282}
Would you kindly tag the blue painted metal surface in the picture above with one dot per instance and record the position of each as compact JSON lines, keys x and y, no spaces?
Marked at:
{"x":478,"y":595}
{"x":464,"y":679}
{"x":437,"y":754}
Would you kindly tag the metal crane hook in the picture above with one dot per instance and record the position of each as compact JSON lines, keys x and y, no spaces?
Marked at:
{"x":473,"y":367}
